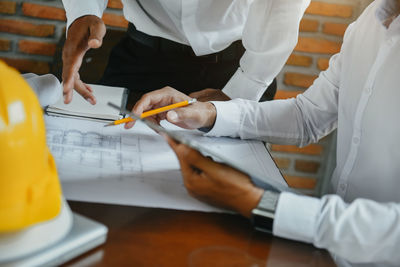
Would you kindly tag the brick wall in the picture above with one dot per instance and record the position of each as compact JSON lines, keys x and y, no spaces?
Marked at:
{"x":30,"y":31}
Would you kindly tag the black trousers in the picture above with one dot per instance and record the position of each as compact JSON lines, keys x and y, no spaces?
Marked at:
{"x":145,"y":63}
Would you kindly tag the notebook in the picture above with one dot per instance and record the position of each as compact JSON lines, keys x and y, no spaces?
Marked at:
{"x":80,"y":108}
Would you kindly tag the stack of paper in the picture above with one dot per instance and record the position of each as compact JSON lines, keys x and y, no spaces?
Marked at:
{"x":80,"y":108}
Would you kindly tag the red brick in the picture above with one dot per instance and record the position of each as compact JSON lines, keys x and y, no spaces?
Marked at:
{"x":323,"y":63}
{"x":300,"y":182}
{"x":307,"y":166}
{"x":298,"y":79}
{"x":43,"y":12}
{"x":309,"y":25}
{"x":282,"y":163}
{"x":37,"y":48}
{"x":26,"y":28}
{"x":297,"y":60}
{"x":7,"y":7}
{"x":316,"y":45}
{"x":115,"y":4}
{"x":283,"y":94}
{"x":115,"y":20}
{"x":312,"y":149}
{"x":27,"y":65}
{"x":331,"y":10}
{"x":5,"y":45}
{"x":334,"y":28}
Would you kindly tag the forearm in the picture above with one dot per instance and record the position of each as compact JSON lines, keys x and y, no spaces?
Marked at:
{"x":296,"y":121}
{"x":361,"y":232}
{"x":269,"y":36}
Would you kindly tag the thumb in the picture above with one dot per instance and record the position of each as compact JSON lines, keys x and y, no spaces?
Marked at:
{"x":177,"y":116}
{"x":183,"y":117}
{"x":96,"y":34}
{"x":172,"y":116}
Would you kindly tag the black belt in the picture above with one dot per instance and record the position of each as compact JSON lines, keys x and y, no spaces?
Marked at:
{"x":233,"y":52}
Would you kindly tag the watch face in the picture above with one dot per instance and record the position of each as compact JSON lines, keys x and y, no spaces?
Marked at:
{"x":263,"y":223}
{"x":263,"y":215}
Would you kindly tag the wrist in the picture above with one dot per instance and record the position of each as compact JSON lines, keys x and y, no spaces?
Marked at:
{"x":211,"y":115}
{"x":262,"y":216}
{"x":250,"y":202}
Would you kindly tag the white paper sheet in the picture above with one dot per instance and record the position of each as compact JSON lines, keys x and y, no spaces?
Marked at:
{"x":80,"y":107}
{"x":135,"y":167}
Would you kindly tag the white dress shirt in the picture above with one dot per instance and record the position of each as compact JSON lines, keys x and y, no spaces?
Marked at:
{"x":360,"y":96}
{"x":268,"y":28}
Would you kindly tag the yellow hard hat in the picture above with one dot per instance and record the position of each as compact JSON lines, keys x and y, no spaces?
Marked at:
{"x":30,"y":192}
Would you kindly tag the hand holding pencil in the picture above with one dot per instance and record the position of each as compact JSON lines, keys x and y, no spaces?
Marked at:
{"x":154,"y":111}
{"x":176,"y":107}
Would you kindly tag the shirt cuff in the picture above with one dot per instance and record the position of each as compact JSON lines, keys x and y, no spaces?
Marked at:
{"x":85,"y":8}
{"x":296,"y":217}
{"x":227,"y":122}
{"x":240,"y":86}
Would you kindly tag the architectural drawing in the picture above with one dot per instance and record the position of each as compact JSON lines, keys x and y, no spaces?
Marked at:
{"x":136,"y":166}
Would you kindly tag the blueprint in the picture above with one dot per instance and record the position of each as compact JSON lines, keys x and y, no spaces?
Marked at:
{"x":136,"y":166}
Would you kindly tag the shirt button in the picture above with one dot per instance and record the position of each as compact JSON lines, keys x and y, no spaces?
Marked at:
{"x":368,"y":90}
{"x":356,"y":140}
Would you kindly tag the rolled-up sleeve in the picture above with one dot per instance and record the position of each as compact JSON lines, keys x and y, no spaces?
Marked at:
{"x":269,"y":36}
{"x":77,"y":8}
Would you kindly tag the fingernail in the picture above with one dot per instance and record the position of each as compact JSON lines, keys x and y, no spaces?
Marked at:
{"x":129,"y":125}
{"x":65,"y":99}
{"x":91,"y":101}
{"x":94,"y":42}
{"x":172,"y":116}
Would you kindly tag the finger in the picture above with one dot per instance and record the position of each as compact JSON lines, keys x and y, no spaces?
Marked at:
{"x":189,"y":117}
{"x":171,"y":142}
{"x":81,"y":88}
{"x":88,"y":87}
{"x":161,"y":97}
{"x":67,"y":94}
{"x":148,"y":101}
{"x":185,"y":114}
{"x":70,"y":73}
{"x":200,"y":162}
{"x":191,"y":156}
{"x":189,"y":173}
{"x":96,"y":34}
{"x":129,"y":125}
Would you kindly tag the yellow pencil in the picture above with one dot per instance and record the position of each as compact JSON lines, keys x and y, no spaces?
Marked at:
{"x":154,"y":112}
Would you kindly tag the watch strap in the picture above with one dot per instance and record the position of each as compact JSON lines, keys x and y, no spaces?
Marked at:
{"x":263,"y":215}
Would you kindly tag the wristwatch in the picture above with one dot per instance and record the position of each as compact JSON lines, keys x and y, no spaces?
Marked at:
{"x":263,"y":215}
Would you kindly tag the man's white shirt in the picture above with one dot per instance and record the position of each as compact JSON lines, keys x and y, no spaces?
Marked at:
{"x":268,"y":29}
{"x":360,"y":96}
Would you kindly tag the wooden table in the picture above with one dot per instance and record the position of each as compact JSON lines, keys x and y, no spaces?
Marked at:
{"x":159,"y":237}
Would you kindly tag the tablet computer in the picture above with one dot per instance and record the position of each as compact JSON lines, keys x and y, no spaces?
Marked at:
{"x":275,"y":183}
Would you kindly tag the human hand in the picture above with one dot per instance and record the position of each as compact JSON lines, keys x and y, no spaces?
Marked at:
{"x":84,"y":33}
{"x":216,"y":183}
{"x":210,"y":95}
{"x":193,"y":116}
